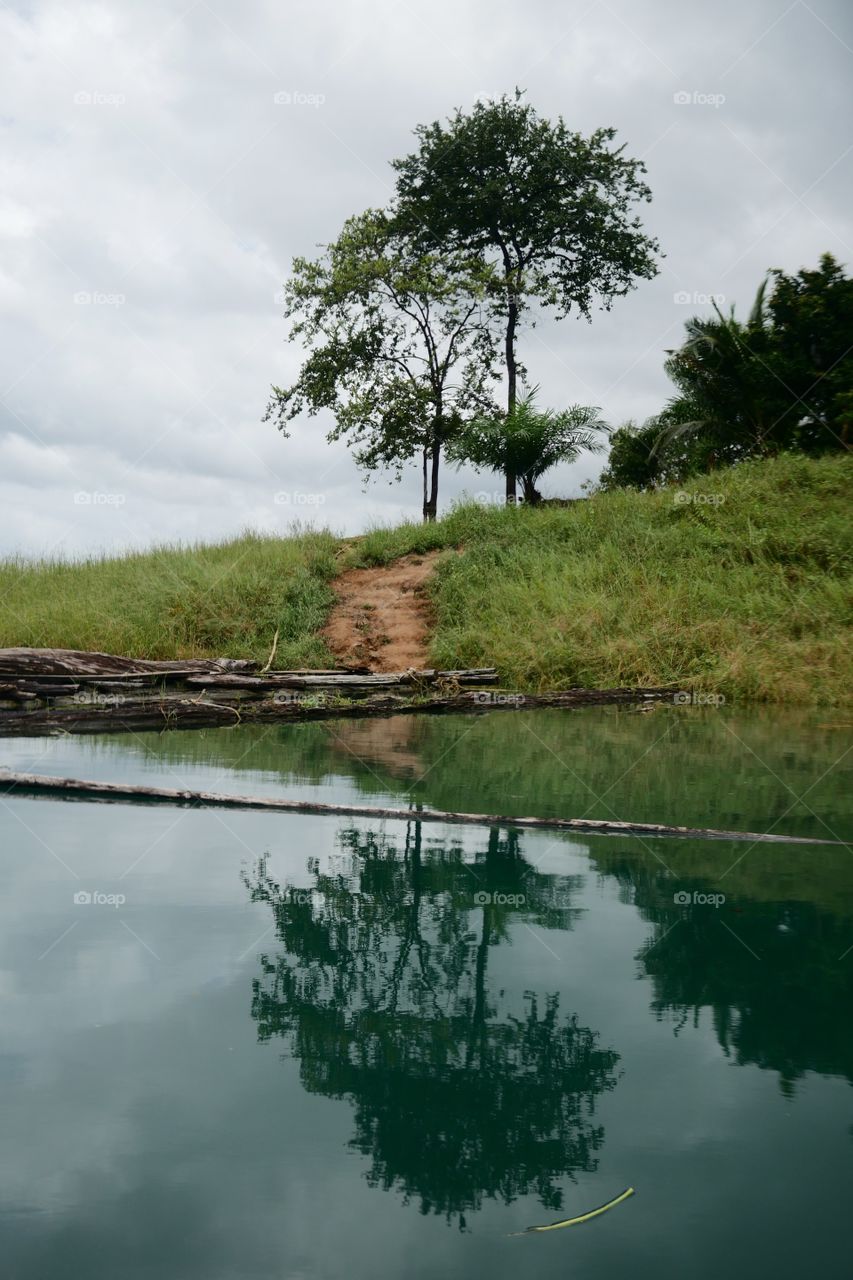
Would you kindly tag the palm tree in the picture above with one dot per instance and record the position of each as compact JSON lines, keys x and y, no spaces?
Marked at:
{"x":527,"y":441}
{"x":729,"y":391}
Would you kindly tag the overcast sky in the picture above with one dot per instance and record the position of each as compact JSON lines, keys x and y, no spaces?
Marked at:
{"x":154,"y":191}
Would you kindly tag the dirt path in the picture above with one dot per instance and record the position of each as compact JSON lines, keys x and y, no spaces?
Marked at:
{"x":381,"y":619}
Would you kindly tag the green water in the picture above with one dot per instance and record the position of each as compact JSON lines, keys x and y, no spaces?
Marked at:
{"x":311,"y":1047}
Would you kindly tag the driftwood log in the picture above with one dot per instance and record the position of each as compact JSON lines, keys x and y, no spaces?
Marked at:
{"x":46,"y":787}
{"x":77,"y":663}
{"x":45,"y":691}
{"x":213,"y":707}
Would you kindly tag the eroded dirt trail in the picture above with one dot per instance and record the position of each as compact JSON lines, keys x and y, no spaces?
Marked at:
{"x":381,"y":618}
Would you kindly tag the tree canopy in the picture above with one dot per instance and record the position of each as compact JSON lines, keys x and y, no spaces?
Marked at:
{"x":399,"y":348}
{"x":780,"y":379}
{"x":550,"y":211}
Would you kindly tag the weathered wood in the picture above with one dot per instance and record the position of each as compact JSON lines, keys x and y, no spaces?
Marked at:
{"x":60,"y":665}
{"x":34,"y":784}
{"x":334,"y":680}
{"x":76,"y":662}
{"x":67,"y":690}
{"x":15,"y":693}
{"x":177,"y":711}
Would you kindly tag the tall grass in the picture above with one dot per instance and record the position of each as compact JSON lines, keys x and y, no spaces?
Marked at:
{"x":738,"y":585}
{"x":178,"y":601}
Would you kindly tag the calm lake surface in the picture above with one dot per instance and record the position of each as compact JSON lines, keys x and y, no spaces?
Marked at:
{"x":283,"y":1047}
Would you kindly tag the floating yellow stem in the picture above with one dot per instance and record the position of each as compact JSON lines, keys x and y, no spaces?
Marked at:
{"x":583,"y":1217}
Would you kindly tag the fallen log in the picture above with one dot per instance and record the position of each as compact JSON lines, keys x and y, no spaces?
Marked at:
{"x":34,"y":784}
{"x":15,"y":693}
{"x":333,"y":680}
{"x":177,"y":711}
{"x":49,"y":666}
{"x":76,"y":662}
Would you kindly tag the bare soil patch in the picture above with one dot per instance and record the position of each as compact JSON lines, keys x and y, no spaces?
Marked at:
{"x":381,"y":618}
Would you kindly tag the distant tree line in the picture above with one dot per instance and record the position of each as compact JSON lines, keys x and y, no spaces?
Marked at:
{"x":782,"y":379}
{"x":412,"y":316}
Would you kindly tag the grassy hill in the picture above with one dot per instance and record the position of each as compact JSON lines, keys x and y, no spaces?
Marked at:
{"x":738,"y":585}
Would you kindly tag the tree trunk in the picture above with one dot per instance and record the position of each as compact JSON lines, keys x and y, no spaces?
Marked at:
{"x":531,"y":493}
{"x":426,"y":491}
{"x":511,"y":377}
{"x":431,"y":505}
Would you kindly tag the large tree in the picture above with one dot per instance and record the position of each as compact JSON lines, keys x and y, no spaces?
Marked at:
{"x":551,"y":211}
{"x":401,"y":350}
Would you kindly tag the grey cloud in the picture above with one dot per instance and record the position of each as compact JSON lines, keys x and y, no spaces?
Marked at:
{"x":175,"y":190}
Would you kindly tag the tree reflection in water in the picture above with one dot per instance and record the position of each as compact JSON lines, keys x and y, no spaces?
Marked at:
{"x":382,"y":994}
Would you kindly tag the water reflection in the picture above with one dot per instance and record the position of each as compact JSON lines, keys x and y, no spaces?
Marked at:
{"x":777,"y":978}
{"x":383,"y":994}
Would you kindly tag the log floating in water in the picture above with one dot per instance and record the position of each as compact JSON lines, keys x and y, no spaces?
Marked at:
{"x":34,"y":784}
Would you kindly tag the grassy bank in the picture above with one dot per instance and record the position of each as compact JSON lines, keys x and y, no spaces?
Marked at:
{"x":737,"y":585}
{"x":179,"y":602}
